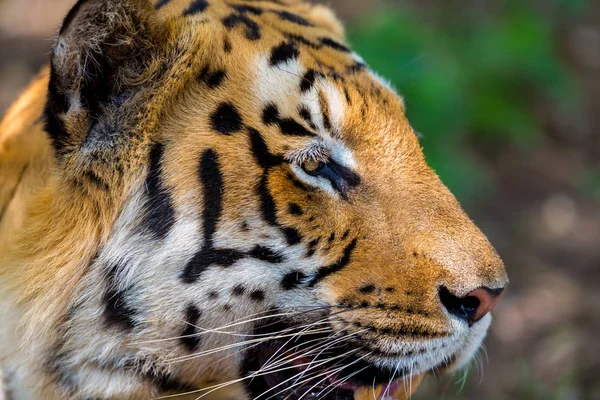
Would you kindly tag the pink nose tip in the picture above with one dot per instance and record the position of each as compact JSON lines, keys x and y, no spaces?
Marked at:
{"x":472,"y":307}
{"x":488,"y":298}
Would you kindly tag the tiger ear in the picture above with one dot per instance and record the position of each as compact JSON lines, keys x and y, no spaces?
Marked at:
{"x":102,"y":48}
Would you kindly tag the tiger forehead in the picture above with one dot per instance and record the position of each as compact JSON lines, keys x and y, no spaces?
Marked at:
{"x":282,"y":31}
{"x":283,"y":64}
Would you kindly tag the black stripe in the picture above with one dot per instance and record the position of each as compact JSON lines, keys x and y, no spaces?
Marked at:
{"x":117,"y":311}
{"x":261,"y":152}
{"x":211,"y":179}
{"x":324,"y":272}
{"x":196,"y":7}
{"x":287,"y":126}
{"x":267,"y":204}
{"x":252,"y":30}
{"x":325,"y":111}
{"x":284,"y":53}
{"x":291,"y":17}
{"x":212,"y":184}
{"x":189,"y":335}
{"x":334,"y":44}
{"x":160,"y":214}
{"x":266,"y":254}
{"x":305,"y":114}
{"x":161,"y":3}
{"x":308,"y":80}
{"x":301,"y":39}
{"x":312,"y":247}
{"x":290,"y":127}
{"x":242,"y":8}
{"x":207,"y":257}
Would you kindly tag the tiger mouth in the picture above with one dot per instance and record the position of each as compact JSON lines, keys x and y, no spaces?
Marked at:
{"x":278,"y":370}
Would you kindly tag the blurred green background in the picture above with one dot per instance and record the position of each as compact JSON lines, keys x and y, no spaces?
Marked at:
{"x":506,"y":96}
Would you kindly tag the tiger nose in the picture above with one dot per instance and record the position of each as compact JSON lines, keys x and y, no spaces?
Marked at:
{"x":472,"y":307}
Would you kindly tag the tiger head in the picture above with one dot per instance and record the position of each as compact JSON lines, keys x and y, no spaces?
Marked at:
{"x":242,"y":201}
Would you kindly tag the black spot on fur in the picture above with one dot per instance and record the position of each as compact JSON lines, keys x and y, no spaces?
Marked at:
{"x":213,"y":295}
{"x":117,"y":311}
{"x":226,"y":119}
{"x":252,"y":30}
{"x":266,"y":254}
{"x":160,"y":214}
{"x":270,"y":114}
{"x":257,"y":295}
{"x":331,"y":237}
{"x":370,"y":288}
{"x":197,"y":6}
{"x":334,"y":45}
{"x":295,"y":209}
{"x":292,"y":280}
{"x":292,"y":236}
{"x":308,"y":80}
{"x":324,"y":272}
{"x":189,"y":335}
{"x":238,"y":290}
{"x":283,"y":53}
{"x":212,"y":79}
{"x":345,"y":235}
{"x":295,"y":18}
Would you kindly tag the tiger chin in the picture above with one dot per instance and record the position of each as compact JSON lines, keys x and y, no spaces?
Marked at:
{"x":220,"y":199}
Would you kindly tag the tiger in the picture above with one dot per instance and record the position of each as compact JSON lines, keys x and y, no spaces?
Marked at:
{"x":220,"y":198}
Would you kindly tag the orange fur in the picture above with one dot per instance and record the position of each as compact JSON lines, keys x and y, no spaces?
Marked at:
{"x":413,"y":234}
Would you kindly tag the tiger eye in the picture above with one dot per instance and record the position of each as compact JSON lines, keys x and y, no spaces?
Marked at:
{"x":311,"y":165}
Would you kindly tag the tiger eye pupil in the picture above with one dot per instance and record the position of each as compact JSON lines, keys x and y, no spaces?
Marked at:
{"x":311,"y":165}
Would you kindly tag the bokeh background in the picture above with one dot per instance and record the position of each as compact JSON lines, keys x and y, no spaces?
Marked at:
{"x":506,"y":94}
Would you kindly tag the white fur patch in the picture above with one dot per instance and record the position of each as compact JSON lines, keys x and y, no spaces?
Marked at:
{"x":279,"y":84}
{"x":335,"y":102}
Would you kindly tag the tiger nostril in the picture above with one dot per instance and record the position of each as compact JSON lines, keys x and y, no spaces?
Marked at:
{"x":472,"y":307}
{"x":462,"y":307}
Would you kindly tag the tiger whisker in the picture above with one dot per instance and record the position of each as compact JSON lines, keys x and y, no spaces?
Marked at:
{"x":234,"y":345}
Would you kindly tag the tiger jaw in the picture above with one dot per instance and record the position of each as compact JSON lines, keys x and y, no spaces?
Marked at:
{"x":341,"y":366}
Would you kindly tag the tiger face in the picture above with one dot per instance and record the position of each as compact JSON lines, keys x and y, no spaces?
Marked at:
{"x":246,"y":209}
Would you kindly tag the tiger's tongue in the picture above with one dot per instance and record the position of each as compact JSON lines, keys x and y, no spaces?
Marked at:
{"x":400,"y":389}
